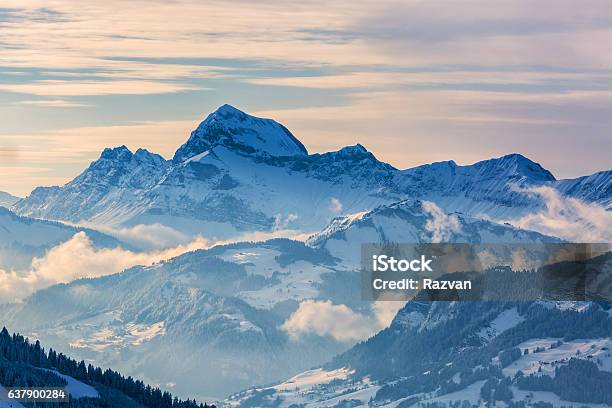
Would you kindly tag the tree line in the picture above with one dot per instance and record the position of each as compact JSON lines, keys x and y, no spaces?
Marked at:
{"x":19,"y":359}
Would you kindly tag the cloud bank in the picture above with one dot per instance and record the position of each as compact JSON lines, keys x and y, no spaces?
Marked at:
{"x":79,"y":258}
{"x":567,"y":218}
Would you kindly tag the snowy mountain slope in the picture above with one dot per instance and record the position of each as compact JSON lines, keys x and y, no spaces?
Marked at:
{"x":113,"y":184}
{"x":226,"y":191}
{"x":219,"y":309}
{"x":255,"y":176}
{"x":26,"y":363}
{"x":22,"y":238}
{"x":76,"y":388}
{"x":491,"y":187}
{"x":7,"y":404}
{"x":239,"y":173}
{"x":7,"y":200}
{"x":435,"y":352}
{"x":413,"y":221}
{"x":229,"y":301}
{"x":594,"y":188}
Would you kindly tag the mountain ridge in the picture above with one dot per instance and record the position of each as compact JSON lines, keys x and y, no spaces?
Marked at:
{"x":240,"y":173}
{"x":7,"y":199}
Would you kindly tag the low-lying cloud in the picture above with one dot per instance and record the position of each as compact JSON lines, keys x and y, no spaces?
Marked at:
{"x":323,"y":318}
{"x":282,"y":222}
{"x":150,"y":236}
{"x":442,"y":226}
{"x":79,"y":258}
{"x":335,"y":205}
{"x":567,"y":218}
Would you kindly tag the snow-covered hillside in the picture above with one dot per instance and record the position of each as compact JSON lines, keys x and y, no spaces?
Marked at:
{"x":226,"y":306}
{"x":449,"y":352}
{"x":75,"y":388}
{"x":413,"y":221}
{"x":218,"y":310}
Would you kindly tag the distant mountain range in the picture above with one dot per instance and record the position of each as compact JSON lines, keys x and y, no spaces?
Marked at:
{"x":240,"y":173}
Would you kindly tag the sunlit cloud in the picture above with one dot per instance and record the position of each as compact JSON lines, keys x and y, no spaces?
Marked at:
{"x":79,"y":258}
{"x":431,"y":79}
{"x":55,"y":103}
{"x":323,"y":318}
{"x":566,"y":217}
{"x":76,"y":88}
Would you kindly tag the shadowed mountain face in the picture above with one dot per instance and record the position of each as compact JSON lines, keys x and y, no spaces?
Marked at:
{"x":240,"y":173}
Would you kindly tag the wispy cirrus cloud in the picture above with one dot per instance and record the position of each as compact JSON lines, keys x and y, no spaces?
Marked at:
{"x":55,"y":103}
{"x":79,"y":88}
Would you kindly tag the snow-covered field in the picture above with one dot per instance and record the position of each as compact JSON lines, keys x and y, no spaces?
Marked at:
{"x":545,"y":361}
{"x":7,"y":404}
{"x":77,"y":388}
{"x":506,"y":320}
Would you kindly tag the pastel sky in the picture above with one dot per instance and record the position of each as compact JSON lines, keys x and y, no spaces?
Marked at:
{"x":414,"y":81}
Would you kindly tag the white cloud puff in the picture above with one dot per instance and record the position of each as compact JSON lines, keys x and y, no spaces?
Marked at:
{"x":323,"y":318}
{"x":335,"y":206}
{"x":442,"y":226}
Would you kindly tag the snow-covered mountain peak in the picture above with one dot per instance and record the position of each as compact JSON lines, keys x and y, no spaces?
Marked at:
{"x":121,"y":153}
{"x":516,"y":165}
{"x":237,"y":172}
{"x":353,"y":153}
{"x":353,"y":150}
{"x":236,"y":130}
{"x":228,"y":110}
{"x":124,"y":154}
{"x":119,"y":161}
{"x":145,"y":156}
